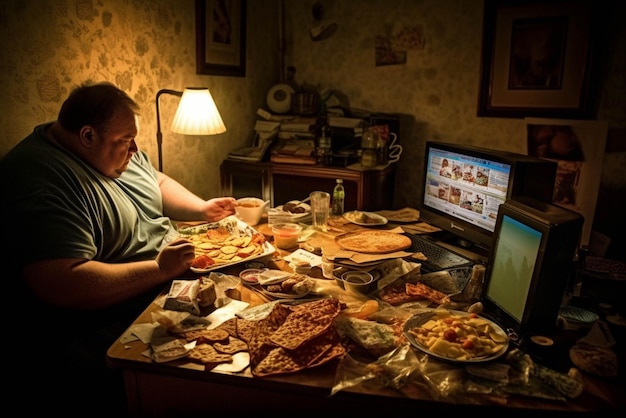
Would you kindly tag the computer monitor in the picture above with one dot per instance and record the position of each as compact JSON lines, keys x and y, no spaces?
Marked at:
{"x":463,"y":186}
{"x":530,"y":264}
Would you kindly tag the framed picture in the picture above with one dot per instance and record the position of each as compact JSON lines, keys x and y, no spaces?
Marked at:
{"x":221,"y":37}
{"x":537,"y":59}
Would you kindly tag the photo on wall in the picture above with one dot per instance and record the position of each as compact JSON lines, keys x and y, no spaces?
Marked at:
{"x":578,"y":148}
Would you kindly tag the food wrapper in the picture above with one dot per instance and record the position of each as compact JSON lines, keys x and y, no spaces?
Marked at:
{"x":183,"y":296}
{"x":393,"y":370}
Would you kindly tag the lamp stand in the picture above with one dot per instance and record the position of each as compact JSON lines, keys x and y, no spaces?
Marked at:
{"x":158,"y":118}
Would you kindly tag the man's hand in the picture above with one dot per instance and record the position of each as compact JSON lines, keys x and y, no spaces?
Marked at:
{"x":219,"y":208}
{"x":175,"y":259}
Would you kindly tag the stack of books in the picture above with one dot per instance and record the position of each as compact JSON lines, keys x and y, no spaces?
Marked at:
{"x":265,"y":135}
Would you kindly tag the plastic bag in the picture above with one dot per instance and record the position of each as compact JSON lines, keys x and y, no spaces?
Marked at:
{"x":393,"y":370}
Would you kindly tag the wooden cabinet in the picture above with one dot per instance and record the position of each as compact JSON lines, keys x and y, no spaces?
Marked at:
{"x":279,"y":183}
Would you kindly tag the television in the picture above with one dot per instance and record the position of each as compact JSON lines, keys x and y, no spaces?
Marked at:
{"x":463,"y":186}
{"x":529,"y":266}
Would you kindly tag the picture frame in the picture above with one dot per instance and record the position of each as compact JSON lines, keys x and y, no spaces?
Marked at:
{"x":221,"y":37}
{"x":537,"y":59}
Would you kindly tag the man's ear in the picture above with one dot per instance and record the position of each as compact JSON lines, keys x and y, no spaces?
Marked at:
{"x":86,"y":136}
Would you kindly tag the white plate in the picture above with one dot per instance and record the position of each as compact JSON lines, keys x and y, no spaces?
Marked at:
{"x":295,"y":216}
{"x":424,"y":317}
{"x":376,"y":220}
{"x":235,"y":226}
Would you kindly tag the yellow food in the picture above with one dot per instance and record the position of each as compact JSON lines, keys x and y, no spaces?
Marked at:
{"x":223,"y":247}
{"x":459,"y":337}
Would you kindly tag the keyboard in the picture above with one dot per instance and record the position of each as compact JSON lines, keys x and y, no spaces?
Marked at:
{"x":438,"y":257}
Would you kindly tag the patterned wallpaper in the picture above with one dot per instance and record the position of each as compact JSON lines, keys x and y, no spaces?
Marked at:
{"x":434,"y":87}
{"x":48,"y":46}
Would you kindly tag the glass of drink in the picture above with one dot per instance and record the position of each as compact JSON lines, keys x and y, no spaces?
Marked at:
{"x":320,"y":208}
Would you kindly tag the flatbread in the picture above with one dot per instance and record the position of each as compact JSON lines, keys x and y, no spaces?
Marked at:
{"x":303,"y":325}
{"x":373,"y":241}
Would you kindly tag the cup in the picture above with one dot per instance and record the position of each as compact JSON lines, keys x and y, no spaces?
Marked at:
{"x":250,"y":209}
{"x":320,"y":208}
{"x":286,"y":235}
{"x":357,"y":281}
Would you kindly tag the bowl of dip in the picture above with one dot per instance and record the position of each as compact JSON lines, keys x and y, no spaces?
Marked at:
{"x":286,"y":235}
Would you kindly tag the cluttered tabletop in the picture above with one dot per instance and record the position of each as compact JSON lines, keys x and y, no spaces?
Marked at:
{"x":346,"y":309}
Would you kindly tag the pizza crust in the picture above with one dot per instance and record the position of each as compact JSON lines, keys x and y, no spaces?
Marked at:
{"x":373,"y":242}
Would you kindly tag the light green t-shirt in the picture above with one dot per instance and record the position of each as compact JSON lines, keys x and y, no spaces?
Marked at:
{"x":59,"y":207}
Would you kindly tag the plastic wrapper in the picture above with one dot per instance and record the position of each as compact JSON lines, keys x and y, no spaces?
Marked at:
{"x":377,"y":338}
{"x":444,"y":380}
{"x":183,"y":296}
{"x":392,"y":370}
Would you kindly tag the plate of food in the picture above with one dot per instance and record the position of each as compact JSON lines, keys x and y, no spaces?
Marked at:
{"x":225,"y":243}
{"x":456,"y":336}
{"x":293,"y":211}
{"x":294,"y":286}
{"x":365,"y":218}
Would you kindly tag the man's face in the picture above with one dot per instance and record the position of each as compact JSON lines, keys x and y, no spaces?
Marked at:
{"x":113,"y":148}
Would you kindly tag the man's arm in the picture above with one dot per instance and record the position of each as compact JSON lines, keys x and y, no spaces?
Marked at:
{"x":181,"y":204}
{"x":86,"y":284}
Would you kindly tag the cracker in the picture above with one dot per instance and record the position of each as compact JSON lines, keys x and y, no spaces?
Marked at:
{"x":313,"y":353}
{"x":229,"y":326}
{"x":306,"y":322}
{"x":234,"y":345}
{"x":206,"y":354}
{"x":207,"y":336}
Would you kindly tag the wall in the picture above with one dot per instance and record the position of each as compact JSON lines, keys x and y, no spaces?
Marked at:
{"x":436,"y":90}
{"x":48,"y":47}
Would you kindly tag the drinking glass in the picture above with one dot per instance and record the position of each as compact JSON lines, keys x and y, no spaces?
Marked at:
{"x":320,"y":208}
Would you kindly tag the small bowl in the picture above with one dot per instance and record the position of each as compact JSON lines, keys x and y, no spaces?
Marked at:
{"x":251,"y":276}
{"x":286,"y":235}
{"x":250,"y":209}
{"x":357,"y":281}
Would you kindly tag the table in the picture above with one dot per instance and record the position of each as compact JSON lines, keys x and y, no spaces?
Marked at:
{"x":185,"y":389}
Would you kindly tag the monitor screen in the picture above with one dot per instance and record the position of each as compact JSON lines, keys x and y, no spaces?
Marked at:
{"x":529,"y":264}
{"x":463,"y":186}
{"x":514,"y":257}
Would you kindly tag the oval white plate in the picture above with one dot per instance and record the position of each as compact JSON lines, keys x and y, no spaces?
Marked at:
{"x":422,"y":318}
{"x":377,"y":220}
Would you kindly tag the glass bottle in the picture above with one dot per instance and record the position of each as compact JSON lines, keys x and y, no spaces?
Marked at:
{"x":339,"y":196}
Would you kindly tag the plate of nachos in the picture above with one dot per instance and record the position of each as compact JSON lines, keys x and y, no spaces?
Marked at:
{"x":225,"y":243}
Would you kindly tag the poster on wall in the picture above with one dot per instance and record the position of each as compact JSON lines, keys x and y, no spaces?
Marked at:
{"x":578,"y":148}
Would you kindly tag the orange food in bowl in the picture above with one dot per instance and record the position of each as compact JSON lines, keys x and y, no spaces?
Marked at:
{"x":286,"y":235}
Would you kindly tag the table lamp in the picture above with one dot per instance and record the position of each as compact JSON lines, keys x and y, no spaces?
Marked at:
{"x":196,"y":115}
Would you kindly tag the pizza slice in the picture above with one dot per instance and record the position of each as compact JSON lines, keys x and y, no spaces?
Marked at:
{"x":419,"y":289}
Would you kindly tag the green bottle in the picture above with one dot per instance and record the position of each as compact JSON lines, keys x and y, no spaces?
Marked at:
{"x":339,"y":195}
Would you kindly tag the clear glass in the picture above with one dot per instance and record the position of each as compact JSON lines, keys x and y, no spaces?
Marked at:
{"x":320,"y":209}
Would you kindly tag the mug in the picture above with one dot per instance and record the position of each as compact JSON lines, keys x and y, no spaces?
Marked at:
{"x":394,"y":153}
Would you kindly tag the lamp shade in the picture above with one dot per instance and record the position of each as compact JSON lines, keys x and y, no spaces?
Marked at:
{"x":197,"y":114}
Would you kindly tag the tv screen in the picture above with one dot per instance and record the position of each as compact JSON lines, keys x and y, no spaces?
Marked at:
{"x":463,"y":186}
{"x":514,"y":258}
{"x":530,"y":263}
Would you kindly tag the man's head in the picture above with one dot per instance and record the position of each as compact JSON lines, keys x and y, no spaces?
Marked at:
{"x":102,"y":119}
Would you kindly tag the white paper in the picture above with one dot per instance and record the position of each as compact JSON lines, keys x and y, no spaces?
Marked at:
{"x":304,"y":255}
